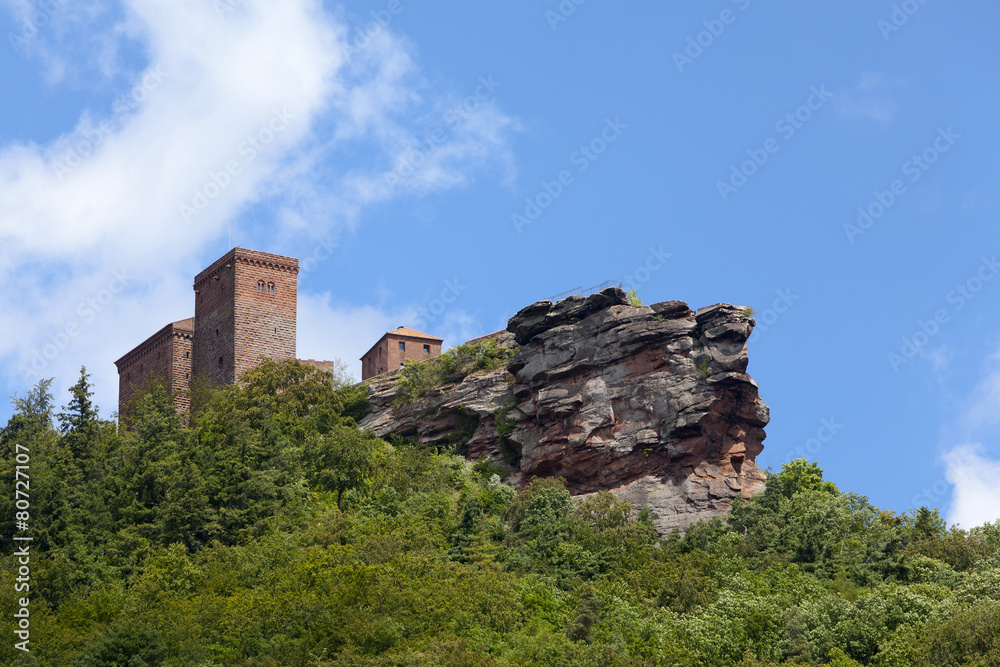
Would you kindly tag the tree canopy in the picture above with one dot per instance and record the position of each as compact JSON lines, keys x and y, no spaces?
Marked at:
{"x":267,"y":530}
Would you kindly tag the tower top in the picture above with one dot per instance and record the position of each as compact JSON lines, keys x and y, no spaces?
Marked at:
{"x":249,"y":258}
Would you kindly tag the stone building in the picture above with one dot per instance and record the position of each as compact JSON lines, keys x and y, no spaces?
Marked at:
{"x":245,"y":308}
{"x":395,"y":347}
{"x":165,"y":355}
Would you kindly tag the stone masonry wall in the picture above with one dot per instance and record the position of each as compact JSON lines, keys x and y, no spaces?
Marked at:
{"x":265,"y":321}
{"x":166,"y":355}
{"x":214,"y":329}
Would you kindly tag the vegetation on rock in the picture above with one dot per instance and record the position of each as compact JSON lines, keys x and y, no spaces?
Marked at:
{"x":416,"y":378}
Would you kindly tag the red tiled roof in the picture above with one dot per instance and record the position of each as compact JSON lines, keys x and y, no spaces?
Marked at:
{"x":413,"y":333}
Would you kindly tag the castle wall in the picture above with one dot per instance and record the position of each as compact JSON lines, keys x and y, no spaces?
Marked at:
{"x":181,"y":364}
{"x":165,"y":356}
{"x":214,"y":324}
{"x":414,"y":350}
{"x":265,"y":291}
{"x":374,"y":362}
{"x":386,"y":356}
{"x":245,"y":308}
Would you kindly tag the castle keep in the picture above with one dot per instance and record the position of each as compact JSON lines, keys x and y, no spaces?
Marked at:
{"x":245,"y":308}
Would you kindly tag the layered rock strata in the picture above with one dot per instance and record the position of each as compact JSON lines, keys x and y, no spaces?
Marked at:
{"x":651,"y":403}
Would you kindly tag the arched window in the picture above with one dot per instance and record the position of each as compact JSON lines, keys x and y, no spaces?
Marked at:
{"x":260,"y":286}
{"x":270,"y":288}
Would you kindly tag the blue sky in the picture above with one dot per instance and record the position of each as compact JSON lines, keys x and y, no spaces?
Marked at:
{"x":442,"y":166}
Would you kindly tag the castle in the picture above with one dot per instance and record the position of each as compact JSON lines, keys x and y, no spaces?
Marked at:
{"x":245,"y":308}
{"x":396,"y":347}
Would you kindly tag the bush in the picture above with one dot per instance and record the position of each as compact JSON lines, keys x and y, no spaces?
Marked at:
{"x":416,"y":378}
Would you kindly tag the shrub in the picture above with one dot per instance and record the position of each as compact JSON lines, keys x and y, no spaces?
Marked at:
{"x":418,"y":377}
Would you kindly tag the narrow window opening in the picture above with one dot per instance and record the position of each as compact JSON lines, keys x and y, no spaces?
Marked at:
{"x":260,"y":285}
{"x":427,"y":349}
{"x":402,"y":346}
{"x":220,"y":362}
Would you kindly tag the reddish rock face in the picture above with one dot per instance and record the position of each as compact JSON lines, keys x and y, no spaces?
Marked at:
{"x":651,"y":403}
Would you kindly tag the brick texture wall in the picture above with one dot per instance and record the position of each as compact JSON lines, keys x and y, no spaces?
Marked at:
{"x":245,"y":308}
{"x":166,"y":355}
{"x":386,"y":356}
{"x":265,"y":309}
{"x":214,"y":324}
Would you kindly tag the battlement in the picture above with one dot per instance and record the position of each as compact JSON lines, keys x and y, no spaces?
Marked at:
{"x":249,"y":258}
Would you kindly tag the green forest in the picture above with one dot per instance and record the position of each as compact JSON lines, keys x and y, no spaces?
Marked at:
{"x":267,"y":530}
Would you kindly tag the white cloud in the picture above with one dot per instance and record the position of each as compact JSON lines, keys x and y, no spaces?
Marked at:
{"x":971,"y":466}
{"x":109,"y":193}
{"x":871,"y":98}
{"x":976,"y":495}
{"x":983,"y":404}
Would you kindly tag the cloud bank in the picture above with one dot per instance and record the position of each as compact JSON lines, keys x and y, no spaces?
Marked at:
{"x":972,"y":466}
{"x":232,"y":106}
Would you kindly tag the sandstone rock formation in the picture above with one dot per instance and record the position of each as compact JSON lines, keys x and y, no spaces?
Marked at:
{"x":650,"y":403}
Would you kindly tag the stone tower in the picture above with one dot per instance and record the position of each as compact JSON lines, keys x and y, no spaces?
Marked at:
{"x":166,"y":355}
{"x":245,"y":308}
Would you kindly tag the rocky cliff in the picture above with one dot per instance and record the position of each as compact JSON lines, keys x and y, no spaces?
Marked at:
{"x":650,"y":403}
